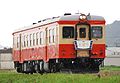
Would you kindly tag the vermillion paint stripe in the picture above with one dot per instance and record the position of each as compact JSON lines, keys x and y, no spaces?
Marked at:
{"x":75,"y":22}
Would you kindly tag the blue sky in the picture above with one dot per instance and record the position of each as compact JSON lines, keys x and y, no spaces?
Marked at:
{"x":19,"y":13}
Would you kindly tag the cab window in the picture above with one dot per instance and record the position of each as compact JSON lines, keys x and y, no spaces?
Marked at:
{"x":68,"y":32}
{"x":82,"y":32}
{"x":96,"y":32}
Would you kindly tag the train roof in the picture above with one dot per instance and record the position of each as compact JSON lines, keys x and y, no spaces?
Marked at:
{"x":60,"y":18}
{"x":76,"y":17}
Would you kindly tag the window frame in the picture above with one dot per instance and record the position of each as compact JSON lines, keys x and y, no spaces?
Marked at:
{"x":30,"y":39}
{"x":80,"y":34}
{"x":24,"y":43}
{"x":37,"y":38}
{"x":33,"y":39}
{"x":18,"y":41}
{"x":101,"y":32}
{"x":27,"y":41}
{"x":54,"y":34}
{"x":63,"y":31}
{"x":51,"y":35}
{"x":41,"y":34}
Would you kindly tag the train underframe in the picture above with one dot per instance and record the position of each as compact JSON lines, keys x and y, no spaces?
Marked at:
{"x":57,"y":65}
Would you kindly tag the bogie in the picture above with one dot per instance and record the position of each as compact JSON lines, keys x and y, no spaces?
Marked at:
{"x":90,"y":65}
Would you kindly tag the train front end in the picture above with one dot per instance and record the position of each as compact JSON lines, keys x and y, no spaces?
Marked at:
{"x":82,"y":41}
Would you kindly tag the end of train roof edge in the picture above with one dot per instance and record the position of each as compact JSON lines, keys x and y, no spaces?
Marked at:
{"x":65,"y":17}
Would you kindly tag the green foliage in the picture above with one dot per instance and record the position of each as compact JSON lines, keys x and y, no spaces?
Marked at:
{"x":110,"y":68}
{"x":106,"y":77}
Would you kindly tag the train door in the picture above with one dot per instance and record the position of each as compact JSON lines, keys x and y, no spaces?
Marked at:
{"x":20,"y":48}
{"x":82,"y":41}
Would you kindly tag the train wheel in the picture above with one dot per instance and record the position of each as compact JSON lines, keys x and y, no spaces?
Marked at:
{"x":19,"y":69}
{"x":53,"y":69}
{"x":41,"y":70}
{"x":22,"y":68}
{"x":25,"y":68}
{"x":94,"y":68}
{"x":46,"y":67}
{"x":36,"y":68}
{"x":31,"y":67}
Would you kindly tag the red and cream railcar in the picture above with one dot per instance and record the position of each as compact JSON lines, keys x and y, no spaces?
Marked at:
{"x":69,"y":41}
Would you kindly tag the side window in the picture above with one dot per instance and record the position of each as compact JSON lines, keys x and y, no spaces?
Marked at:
{"x":41,"y":37}
{"x":68,"y":32}
{"x":82,"y":32}
{"x":37,"y":38}
{"x":33,"y":39}
{"x":27,"y":40}
{"x":30,"y":39}
{"x":24,"y":44}
{"x":96,"y":32}
{"x":18,"y":41}
{"x":54,"y":34}
{"x":50,"y":36}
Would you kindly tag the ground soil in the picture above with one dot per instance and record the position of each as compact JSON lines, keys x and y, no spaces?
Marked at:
{"x":108,"y":73}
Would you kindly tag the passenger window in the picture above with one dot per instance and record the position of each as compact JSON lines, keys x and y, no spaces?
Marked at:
{"x":37,"y":38}
{"x":68,"y":32}
{"x":96,"y":32}
{"x":24,"y":41}
{"x":33,"y":39}
{"x":82,"y":32}
{"x":30,"y":39}
{"x":41,"y":38}
{"x":50,"y":36}
{"x":54,"y":34}
{"x":27,"y":40}
{"x":18,"y":42}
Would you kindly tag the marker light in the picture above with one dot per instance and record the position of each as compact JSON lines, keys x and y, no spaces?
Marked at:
{"x":83,"y":17}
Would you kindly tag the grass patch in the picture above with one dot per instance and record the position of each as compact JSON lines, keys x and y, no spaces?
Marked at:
{"x":13,"y":77}
{"x":110,"y":68}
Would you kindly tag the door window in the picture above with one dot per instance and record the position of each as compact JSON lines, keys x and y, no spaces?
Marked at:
{"x":82,"y":32}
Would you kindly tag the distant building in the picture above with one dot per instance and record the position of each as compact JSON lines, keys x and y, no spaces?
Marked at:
{"x":6,"y":50}
{"x":112,"y":56}
{"x":6,"y":61}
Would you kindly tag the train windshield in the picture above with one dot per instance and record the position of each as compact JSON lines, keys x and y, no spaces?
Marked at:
{"x":82,"y":32}
{"x":96,"y":32}
{"x":68,"y":32}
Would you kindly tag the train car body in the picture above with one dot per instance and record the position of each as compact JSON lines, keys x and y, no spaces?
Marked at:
{"x":69,"y":41}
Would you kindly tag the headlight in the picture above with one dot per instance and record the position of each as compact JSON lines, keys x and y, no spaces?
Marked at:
{"x":83,"y":17}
